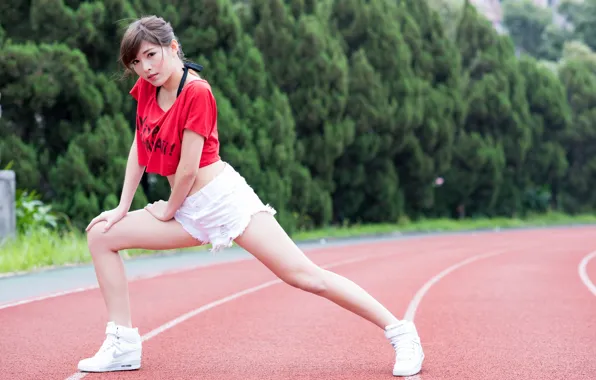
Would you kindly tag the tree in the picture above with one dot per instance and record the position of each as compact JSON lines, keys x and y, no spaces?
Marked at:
{"x":495,"y":133}
{"x":578,"y":74}
{"x":547,"y":163}
{"x":309,"y":66}
{"x":527,"y":23}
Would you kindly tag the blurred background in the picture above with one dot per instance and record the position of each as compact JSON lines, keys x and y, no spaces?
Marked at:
{"x":341,"y":114}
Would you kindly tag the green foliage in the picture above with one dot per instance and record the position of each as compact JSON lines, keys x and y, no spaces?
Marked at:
{"x":578,"y":75}
{"x":335,"y":111}
{"x":527,"y":24}
{"x":33,"y":214}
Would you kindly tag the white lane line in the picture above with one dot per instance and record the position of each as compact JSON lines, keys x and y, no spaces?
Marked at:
{"x":77,"y":376}
{"x":415,"y":302}
{"x":583,"y":272}
{"x":155,"y":275}
{"x":413,"y":305}
{"x":221,"y":301}
{"x":148,"y":276}
{"x":41,"y":298}
{"x":130,"y":280}
{"x":177,"y":271}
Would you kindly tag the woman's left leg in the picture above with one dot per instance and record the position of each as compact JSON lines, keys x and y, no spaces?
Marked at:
{"x":268,"y":242}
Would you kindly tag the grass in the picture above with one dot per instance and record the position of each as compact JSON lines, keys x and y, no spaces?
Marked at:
{"x":42,"y":249}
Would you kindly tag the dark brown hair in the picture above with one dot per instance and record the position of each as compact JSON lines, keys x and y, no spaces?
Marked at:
{"x":152,"y":29}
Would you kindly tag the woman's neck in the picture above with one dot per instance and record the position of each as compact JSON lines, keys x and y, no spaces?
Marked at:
{"x":171,"y":85}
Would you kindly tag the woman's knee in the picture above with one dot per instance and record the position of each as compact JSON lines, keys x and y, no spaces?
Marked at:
{"x":96,"y":237}
{"x":310,"y":279}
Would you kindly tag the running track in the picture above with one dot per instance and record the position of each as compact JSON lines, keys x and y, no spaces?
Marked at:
{"x":508,"y":305}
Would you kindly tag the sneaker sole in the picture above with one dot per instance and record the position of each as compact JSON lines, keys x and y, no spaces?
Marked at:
{"x":411,"y":372}
{"x":128,"y":366}
{"x":406,"y":374}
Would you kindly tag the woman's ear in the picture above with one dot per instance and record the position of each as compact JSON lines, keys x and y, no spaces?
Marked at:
{"x":174,"y":45}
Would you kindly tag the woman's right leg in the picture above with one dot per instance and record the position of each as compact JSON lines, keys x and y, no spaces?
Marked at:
{"x":138,"y":229}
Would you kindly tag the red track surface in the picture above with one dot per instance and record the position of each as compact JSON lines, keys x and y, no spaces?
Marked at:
{"x":522,"y":313}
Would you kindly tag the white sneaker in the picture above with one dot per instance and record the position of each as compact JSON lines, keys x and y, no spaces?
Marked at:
{"x":408,"y":350}
{"x":121,"y":351}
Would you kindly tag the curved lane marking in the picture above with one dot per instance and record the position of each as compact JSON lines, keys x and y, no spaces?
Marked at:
{"x":583,"y":272}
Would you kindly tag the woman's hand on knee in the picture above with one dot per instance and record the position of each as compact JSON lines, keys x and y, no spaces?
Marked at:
{"x":159,"y":210}
{"x":111,"y":217}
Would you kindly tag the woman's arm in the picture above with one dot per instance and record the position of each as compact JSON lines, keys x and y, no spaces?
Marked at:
{"x":132,"y":177}
{"x":190,"y":158}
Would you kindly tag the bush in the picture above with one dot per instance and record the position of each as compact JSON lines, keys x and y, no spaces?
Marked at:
{"x":34,"y":214}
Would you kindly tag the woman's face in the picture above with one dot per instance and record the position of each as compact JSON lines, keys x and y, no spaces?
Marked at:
{"x":155,"y":63}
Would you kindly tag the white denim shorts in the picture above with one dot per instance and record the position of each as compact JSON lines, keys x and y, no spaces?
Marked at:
{"x":221,"y":210}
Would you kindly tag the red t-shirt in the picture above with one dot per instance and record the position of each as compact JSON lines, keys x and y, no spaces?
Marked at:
{"x":159,"y":133}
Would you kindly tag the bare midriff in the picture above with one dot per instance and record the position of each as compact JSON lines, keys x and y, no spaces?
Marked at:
{"x":205,"y":175}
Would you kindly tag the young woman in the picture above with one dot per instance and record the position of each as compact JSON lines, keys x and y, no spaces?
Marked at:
{"x":210,"y":203}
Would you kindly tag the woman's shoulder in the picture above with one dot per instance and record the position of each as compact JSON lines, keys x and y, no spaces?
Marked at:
{"x":198,"y":85}
{"x":140,"y":88}
{"x":197,"y":89}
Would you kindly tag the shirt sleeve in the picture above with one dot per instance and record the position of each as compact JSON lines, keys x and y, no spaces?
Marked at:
{"x":202,"y":111}
{"x":136,"y":89}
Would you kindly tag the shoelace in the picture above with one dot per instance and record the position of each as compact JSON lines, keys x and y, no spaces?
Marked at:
{"x":110,"y":342}
{"x":404,"y":346}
